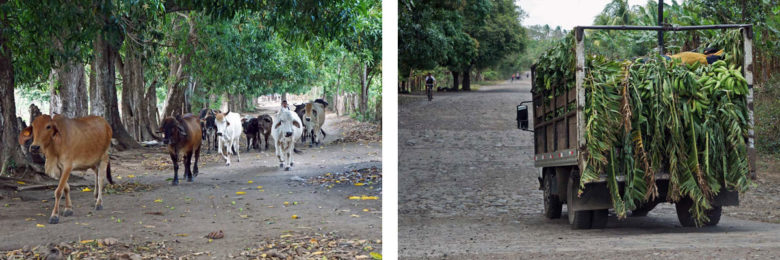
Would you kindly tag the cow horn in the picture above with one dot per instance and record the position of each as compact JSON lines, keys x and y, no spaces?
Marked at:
{"x":228,"y":111}
{"x":149,"y":129}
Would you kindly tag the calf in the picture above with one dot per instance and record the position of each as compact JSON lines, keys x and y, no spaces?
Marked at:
{"x":182,"y":135}
{"x":252,"y":131}
{"x":266,"y":123}
{"x":208,"y":128}
{"x":313,"y":119}
{"x":228,"y":134}
{"x":71,"y":144}
{"x":286,"y":130}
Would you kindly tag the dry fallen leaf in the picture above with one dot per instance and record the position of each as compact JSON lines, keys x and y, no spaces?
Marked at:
{"x":354,"y":197}
{"x":39,"y":225}
{"x":158,"y":200}
{"x":21,"y":182}
{"x":376,"y":256}
{"x":86,"y":189}
{"x":359,"y":184}
{"x":294,"y":217}
{"x":250,"y":182}
{"x":240,"y":192}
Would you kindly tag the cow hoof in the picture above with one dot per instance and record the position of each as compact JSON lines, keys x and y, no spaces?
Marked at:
{"x":67,"y":213}
{"x":54,"y":220}
{"x":281,"y":165}
{"x":310,"y":145}
{"x":99,"y":207}
{"x":227,"y":164}
{"x":175,"y":182}
{"x":189,"y":179}
{"x":287,"y":169}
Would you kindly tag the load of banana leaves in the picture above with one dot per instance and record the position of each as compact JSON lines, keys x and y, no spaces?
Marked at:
{"x":651,"y":116}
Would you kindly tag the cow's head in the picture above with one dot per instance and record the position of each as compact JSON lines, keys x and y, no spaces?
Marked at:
{"x":221,"y":122}
{"x":287,"y":122}
{"x":173,"y":130}
{"x":43,"y":131}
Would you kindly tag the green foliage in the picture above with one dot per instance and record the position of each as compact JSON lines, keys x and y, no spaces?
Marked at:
{"x":457,"y":34}
{"x":688,"y":120}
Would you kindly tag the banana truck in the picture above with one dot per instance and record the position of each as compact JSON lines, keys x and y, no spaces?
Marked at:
{"x":559,"y":143}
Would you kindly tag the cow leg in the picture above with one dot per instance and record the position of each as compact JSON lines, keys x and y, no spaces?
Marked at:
{"x":287,"y":158}
{"x":248,"y":143}
{"x":187,"y":164}
{"x":54,"y":218}
{"x":174,"y":158}
{"x":101,"y":173}
{"x":195,"y":166}
{"x":236,"y":150}
{"x":279,"y":153}
{"x":68,"y":211}
{"x":266,"y":141}
{"x":228,"y":146}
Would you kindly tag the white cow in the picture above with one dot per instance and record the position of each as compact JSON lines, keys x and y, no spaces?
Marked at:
{"x":229,"y":134}
{"x":287,"y":129}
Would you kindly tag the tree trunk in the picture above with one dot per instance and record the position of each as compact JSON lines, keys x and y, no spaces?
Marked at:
{"x":135,"y":106}
{"x":467,"y":79}
{"x":10,"y":154}
{"x":104,"y":102}
{"x":363,"y":105}
{"x":68,"y":89}
{"x":455,"y":81}
{"x":153,"y":116}
{"x":174,"y":103}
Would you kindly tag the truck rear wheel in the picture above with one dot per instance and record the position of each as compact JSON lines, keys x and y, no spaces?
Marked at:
{"x":643,"y":209}
{"x":577,"y":219}
{"x":600,"y":217}
{"x":685,"y":217}
{"x":552,"y":203}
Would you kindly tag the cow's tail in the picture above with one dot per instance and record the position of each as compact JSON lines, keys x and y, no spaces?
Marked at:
{"x":108,"y":173}
{"x":297,"y":151}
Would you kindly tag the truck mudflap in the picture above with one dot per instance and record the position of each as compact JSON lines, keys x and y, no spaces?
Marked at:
{"x":596,"y":196}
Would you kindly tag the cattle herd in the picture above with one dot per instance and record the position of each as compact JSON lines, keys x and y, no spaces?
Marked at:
{"x":83,"y":143}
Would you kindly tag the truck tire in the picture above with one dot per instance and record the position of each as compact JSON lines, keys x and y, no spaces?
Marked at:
{"x":643,"y":209}
{"x":686,"y":219}
{"x":552,"y":203}
{"x":577,"y":219}
{"x":600,"y":217}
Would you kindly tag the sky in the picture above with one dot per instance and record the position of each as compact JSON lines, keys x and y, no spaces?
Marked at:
{"x":566,"y":13}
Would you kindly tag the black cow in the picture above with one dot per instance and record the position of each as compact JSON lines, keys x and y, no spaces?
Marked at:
{"x":265,"y":122}
{"x":181,"y":137}
{"x":252,"y":131}
{"x":209,"y":128}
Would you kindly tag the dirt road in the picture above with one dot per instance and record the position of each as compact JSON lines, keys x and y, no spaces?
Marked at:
{"x":151,"y":210}
{"x":468,"y":189}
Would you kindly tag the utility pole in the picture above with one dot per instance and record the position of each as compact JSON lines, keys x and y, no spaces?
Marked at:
{"x":661,"y":23}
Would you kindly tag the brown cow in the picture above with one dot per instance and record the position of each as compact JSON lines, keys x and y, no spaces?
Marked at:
{"x":71,"y":144}
{"x":182,"y":135}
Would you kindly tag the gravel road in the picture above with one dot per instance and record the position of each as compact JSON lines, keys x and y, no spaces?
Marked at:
{"x":251,"y":201}
{"x":468,"y":189}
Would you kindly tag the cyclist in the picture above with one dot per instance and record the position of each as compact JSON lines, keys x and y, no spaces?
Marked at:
{"x":429,"y":82}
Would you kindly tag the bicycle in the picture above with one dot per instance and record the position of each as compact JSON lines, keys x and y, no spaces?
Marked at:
{"x":429,"y":90}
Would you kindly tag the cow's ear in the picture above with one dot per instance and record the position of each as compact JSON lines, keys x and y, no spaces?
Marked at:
{"x":25,"y":135}
{"x":278,"y":124}
{"x":296,"y":124}
{"x":182,"y":131}
{"x":228,"y":123}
